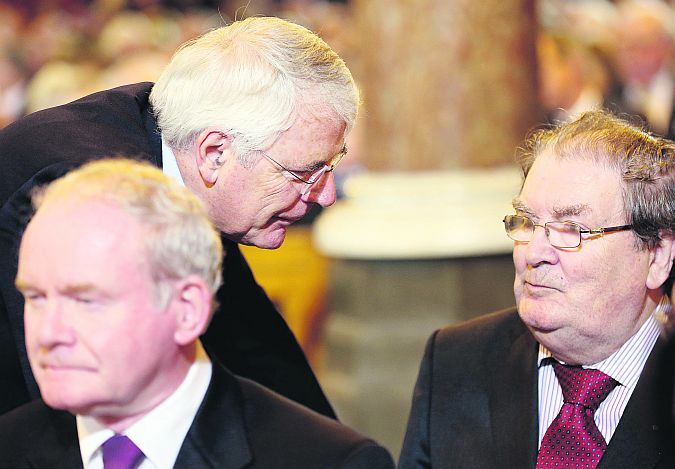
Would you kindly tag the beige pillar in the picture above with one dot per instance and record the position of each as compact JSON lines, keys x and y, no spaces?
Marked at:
{"x":447,"y":83}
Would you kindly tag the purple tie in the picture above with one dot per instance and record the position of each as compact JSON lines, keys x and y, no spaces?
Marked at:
{"x":119,"y":452}
{"x":573,"y":439}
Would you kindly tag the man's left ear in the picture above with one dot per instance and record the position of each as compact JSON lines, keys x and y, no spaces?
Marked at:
{"x":192,"y":307}
{"x":662,"y":260}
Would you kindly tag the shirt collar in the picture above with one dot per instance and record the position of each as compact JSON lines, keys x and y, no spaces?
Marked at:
{"x":160,"y":433}
{"x":635,"y":350}
{"x":169,"y":163}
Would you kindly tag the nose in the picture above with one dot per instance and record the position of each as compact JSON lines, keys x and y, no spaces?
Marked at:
{"x":48,"y":327}
{"x":539,"y":249}
{"x":323,"y":191}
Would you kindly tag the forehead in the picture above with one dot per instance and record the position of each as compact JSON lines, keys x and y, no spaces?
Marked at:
{"x":571,"y":185}
{"x":312,"y":140}
{"x":76,"y":236}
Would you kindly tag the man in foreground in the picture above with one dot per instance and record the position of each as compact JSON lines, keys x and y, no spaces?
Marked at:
{"x":118,"y":268}
{"x":572,"y":376}
{"x":252,"y":118}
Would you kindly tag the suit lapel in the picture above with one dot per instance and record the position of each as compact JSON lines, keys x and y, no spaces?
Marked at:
{"x":641,"y":440}
{"x":513,"y":404}
{"x":217,"y":437}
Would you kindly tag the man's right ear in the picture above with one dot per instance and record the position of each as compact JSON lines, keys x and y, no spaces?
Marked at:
{"x":212,"y":146}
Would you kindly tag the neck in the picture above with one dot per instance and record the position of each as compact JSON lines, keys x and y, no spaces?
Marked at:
{"x":122,"y":416}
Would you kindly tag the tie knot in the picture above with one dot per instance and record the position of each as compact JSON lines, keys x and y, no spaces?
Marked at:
{"x":586,"y":387}
{"x":119,"y":452}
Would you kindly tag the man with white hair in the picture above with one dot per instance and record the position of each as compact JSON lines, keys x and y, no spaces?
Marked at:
{"x":118,"y":268}
{"x":252,"y":118}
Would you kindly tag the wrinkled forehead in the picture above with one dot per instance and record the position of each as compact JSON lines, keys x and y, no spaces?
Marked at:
{"x":570,"y":186}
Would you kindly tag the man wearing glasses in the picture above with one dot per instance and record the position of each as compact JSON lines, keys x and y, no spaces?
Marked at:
{"x":252,"y":118}
{"x":570,"y":377}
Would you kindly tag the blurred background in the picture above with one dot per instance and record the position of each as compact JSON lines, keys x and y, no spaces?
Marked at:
{"x":450,"y":88}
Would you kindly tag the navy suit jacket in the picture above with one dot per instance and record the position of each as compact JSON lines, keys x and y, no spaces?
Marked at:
{"x":239,"y":424}
{"x":247,"y":334}
{"x":475,"y":404}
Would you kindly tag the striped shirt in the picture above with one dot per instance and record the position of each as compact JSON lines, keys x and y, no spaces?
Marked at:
{"x":625,"y":366}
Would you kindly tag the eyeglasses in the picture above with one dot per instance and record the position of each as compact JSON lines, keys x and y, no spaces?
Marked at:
{"x":314,"y":177}
{"x":561,"y":234}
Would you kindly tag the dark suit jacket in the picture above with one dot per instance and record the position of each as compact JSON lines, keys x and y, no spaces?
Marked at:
{"x":475,"y":404}
{"x":239,"y":424}
{"x":247,"y":334}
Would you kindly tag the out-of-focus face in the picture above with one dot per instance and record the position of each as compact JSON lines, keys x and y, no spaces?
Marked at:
{"x":97,"y":341}
{"x":642,"y":49}
{"x":256,"y":205}
{"x":581,"y":303}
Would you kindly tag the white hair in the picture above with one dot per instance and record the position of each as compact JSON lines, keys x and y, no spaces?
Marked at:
{"x":251,"y":78}
{"x":180,"y":238}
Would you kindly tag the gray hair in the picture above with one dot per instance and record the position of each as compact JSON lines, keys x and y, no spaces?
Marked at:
{"x":252,"y":78}
{"x":180,"y":240}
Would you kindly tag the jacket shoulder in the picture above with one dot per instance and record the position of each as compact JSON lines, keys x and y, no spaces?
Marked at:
{"x":280,"y":429}
{"x":34,"y":430}
{"x":483,"y":332}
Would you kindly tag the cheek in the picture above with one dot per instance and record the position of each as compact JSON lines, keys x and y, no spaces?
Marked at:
{"x":519,"y":258}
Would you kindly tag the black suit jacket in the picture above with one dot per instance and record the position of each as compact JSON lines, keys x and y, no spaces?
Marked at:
{"x":247,"y":334}
{"x":239,"y":424}
{"x":475,"y":404}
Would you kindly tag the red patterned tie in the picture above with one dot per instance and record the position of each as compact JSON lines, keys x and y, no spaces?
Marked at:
{"x":573,"y":439}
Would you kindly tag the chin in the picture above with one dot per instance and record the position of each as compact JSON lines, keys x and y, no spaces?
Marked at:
{"x":536,"y":315}
{"x":272,"y":240}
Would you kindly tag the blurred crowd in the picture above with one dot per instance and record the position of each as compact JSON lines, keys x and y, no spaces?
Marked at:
{"x":618,"y":55}
{"x":590,"y":53}
{"x":54,"y":51}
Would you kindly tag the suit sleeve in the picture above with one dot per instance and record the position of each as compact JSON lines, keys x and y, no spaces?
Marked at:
{"x":415,"y":452}
{"x":249,"y":336}
{"x":370,"y":456}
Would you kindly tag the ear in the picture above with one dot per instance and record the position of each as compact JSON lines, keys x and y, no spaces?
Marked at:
{"x":212,"y":144}
{"x":662,"y":260}
{"x":192,"y":306}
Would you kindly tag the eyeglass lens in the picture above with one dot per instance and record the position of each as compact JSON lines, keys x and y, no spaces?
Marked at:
{"x":560,"y":234}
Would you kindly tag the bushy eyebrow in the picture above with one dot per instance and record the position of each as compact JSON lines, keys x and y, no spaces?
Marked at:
{"x":571,"y":210}
{"x":559,"y":213}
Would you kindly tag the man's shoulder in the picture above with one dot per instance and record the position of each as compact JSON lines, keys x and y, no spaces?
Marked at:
{"x":27,"y":416}
{"x":278,"y":426}
{"x":472,"y":344}
{"x":115,"y":99}
{"x":503,"y":324}
{"x":34,"y":427}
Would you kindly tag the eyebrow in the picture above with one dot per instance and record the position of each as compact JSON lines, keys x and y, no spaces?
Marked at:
{"x":558,"y":212}
{"x":22,"y":285}
{"x":571,"y":210}
{"x":317,"y":165}
{"x":520,"y":206}
{"x":311,"y":167}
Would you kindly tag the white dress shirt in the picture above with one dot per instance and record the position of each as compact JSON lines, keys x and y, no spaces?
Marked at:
{"x":625,"y":366}
{"x":169,"y":163}
{"x":160,"y":433}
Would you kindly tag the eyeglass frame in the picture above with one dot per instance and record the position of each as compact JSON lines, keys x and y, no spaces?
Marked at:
{"x":582,"y":230}
{"x":327,"y":168}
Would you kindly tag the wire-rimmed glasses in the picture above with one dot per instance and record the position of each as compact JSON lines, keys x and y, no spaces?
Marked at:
{"x":315,"y":176}
{"x":561,"y":234}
